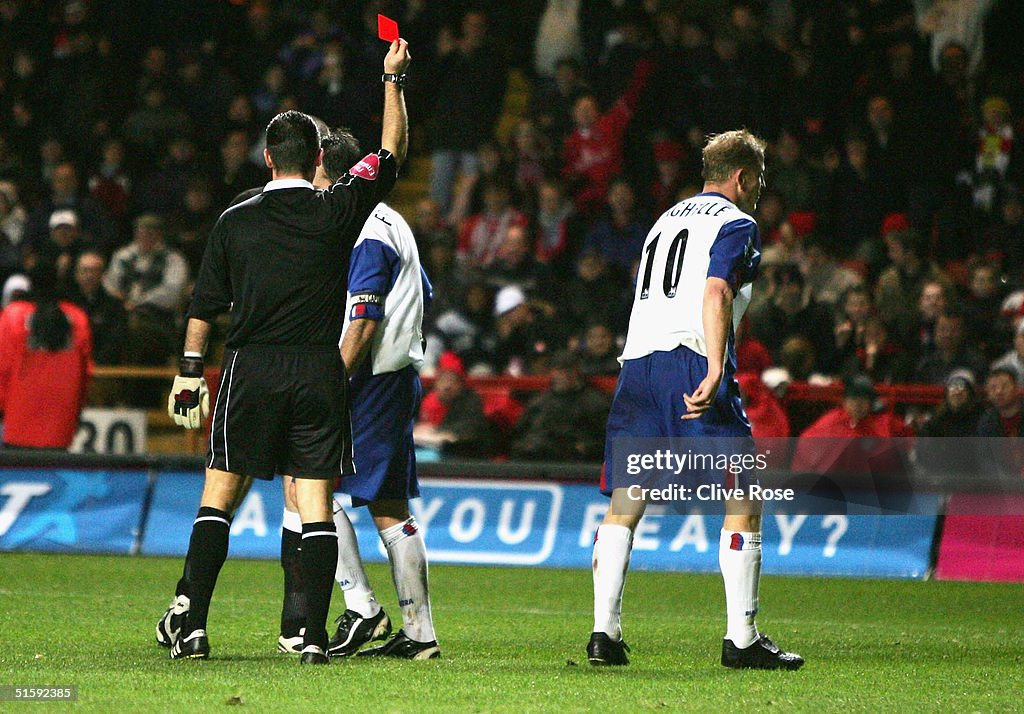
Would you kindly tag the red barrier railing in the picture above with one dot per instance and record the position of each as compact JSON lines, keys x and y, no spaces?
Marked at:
{"x":924,"y":394}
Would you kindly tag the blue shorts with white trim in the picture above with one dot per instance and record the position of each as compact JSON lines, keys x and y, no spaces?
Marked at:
{"x":648,"y":404}
{"x":384,"y":408}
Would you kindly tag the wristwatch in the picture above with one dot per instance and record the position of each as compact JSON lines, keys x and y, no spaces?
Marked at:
{"x":398,"y":79}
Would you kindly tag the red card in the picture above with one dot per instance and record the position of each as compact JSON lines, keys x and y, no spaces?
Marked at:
{"x":387,"y":29}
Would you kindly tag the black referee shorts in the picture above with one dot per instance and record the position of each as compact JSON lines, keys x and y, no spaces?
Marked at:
{"x":282,"y":409}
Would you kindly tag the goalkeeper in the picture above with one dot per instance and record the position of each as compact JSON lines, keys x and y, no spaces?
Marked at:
{"x":279,"y":263}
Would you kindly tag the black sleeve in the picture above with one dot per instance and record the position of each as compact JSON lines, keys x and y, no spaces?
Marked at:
{"x":212,"y":294}
{"x":361,"y":188}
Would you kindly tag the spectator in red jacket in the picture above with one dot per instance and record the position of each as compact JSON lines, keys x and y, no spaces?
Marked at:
{"x":816,"y":452}
{"x":766,"y":415}
{"x":452,"y":415}
{"x":751,"y":354}
{"x":593,"y":152}
{"x":45,"y":365}
{"x":856,"y":416}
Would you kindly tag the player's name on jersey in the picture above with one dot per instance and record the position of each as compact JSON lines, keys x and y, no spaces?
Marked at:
{"x":704,"y":208}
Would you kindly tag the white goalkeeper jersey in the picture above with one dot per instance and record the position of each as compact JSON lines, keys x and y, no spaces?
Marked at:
{"x":387,"y":283}
{"x":701,"y":237}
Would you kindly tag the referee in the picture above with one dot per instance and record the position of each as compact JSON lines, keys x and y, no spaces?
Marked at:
{"x":279,"y":262}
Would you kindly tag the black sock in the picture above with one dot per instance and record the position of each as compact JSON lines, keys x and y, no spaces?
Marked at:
{"x":207,"y":551}
{"x":319,"y":561}
{"x":293,"y":611}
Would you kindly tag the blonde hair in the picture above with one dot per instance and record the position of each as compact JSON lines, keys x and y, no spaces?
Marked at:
{"x":731,"y":150}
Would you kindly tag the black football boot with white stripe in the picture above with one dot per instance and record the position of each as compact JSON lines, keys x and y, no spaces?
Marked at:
{"x":354,"y":631}
{"x":762,"y":654}
{"x":402,"y":647}
{"x":194,"y":645}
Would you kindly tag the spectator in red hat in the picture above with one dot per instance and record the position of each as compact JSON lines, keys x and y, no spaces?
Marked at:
{"x":452,"y":415}
{"x":803,"y":222}
{"x":894,"y":222}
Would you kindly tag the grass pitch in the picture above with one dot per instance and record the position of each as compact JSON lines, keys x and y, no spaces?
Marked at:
{"x":512,"y":639}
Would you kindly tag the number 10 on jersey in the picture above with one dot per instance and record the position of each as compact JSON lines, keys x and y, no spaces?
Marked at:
{"x":673,"y":265}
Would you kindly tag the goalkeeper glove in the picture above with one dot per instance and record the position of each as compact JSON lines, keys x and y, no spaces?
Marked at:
{"x":189,"y":401}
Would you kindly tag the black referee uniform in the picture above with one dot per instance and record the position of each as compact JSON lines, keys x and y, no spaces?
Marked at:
{"x":279,"y":263}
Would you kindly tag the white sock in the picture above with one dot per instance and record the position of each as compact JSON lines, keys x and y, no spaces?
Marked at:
{"x":350,"y":574}
{"x":408,"y":556}
{"x":291,"y":521}
{"x":612,"y":548}
{"x":739,"y":557}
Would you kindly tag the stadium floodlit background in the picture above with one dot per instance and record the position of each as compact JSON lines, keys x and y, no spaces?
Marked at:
{"x":546,"y":137}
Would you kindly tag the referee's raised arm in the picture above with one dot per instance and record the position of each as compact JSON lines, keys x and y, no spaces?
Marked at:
{"x":358,"y":190}
{"x":395,"y":128}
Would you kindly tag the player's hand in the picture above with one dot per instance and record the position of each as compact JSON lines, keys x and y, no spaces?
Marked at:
{"x":703,"y":396}
{"x":398,"y":58}
{"x":189,"y":402}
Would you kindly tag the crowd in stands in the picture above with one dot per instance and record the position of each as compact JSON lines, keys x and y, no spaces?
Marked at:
{"x":892,"y":222}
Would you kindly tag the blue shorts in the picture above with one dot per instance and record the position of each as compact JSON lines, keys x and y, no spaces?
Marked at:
{"x":648,"y":404}
{"x":384,"y":408}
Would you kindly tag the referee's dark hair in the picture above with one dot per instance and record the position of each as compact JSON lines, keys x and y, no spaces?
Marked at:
{"x":341,"y":152}
{"x":293,"y":142}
